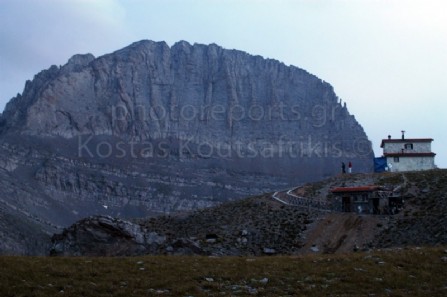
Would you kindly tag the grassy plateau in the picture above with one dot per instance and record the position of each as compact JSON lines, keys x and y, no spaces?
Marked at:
{"x":398,"y":272}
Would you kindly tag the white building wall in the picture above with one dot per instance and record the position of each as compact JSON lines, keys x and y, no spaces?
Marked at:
{"x":422,"y":147}
{"x":411,"y":163}
{"x":418,"y":147}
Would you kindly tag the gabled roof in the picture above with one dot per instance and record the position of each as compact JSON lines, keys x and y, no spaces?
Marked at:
{"x":355,"y":189}
{"x":405,"y":140}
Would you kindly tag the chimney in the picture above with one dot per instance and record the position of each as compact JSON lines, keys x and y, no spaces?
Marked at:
{"x":403,"y":134}
{"x":389,"y":136}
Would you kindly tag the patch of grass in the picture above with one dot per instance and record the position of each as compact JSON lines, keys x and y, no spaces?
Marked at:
{"x":404,"y":272}
{"x":389,"y":178}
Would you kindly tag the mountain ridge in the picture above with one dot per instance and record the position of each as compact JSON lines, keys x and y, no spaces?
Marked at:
{"x":151,"y":129}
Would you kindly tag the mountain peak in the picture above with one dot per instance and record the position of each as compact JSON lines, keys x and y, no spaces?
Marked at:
{"x":157,"y":129}
{"x":77,"y":62}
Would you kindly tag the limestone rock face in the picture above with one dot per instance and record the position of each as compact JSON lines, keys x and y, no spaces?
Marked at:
{"x":153,"y":129}
{"x":201,"y":93}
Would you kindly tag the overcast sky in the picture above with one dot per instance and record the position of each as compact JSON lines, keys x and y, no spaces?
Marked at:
{"x":387,"y":59}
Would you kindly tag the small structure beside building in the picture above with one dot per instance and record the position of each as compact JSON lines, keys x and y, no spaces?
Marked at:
{"x":407,"y":154}
{"x":367,"y":200}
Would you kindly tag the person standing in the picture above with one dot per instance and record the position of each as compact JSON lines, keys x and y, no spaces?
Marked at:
{"x":350,"y":167}
{"x":343,"y":167}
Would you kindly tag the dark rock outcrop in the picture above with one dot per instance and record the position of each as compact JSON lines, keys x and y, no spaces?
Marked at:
{"x":105,"y":236}
{"x":153,"y":129}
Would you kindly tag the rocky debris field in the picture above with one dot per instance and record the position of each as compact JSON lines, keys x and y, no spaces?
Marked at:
{"x":262,"y":225}
{"x":423,"y":220}
{"x":253,"y":226}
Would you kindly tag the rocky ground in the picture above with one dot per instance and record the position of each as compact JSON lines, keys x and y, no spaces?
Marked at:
{"x":424,"y":218}
{"x":262,"y":225}
{"x":253,"y":226}
{"x":399,"y":272}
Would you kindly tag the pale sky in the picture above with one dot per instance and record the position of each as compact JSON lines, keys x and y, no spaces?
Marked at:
{"x":387,"y":59}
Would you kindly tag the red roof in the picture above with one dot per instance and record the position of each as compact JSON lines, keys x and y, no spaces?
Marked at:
{"x":409,"y":154}
{"x":355,"y":189}
{"x":406,"y":140}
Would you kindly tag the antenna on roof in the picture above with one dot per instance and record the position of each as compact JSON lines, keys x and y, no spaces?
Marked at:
{"x":403,"y":134}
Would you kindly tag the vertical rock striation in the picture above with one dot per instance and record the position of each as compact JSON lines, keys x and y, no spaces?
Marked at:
{"x":155,"y":129}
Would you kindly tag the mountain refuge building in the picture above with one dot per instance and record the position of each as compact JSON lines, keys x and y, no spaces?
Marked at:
{"x":408,"y":154}
{"x":367,"y":199}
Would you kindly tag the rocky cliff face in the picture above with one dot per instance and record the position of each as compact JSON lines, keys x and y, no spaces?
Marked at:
{"x":155,"y":129}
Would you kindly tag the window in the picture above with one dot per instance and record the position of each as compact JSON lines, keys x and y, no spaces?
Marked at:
{"x":365,"y":197}
{"x":396,"y":159}
{"x":408,"y":146}
{"x":361,"y":198}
